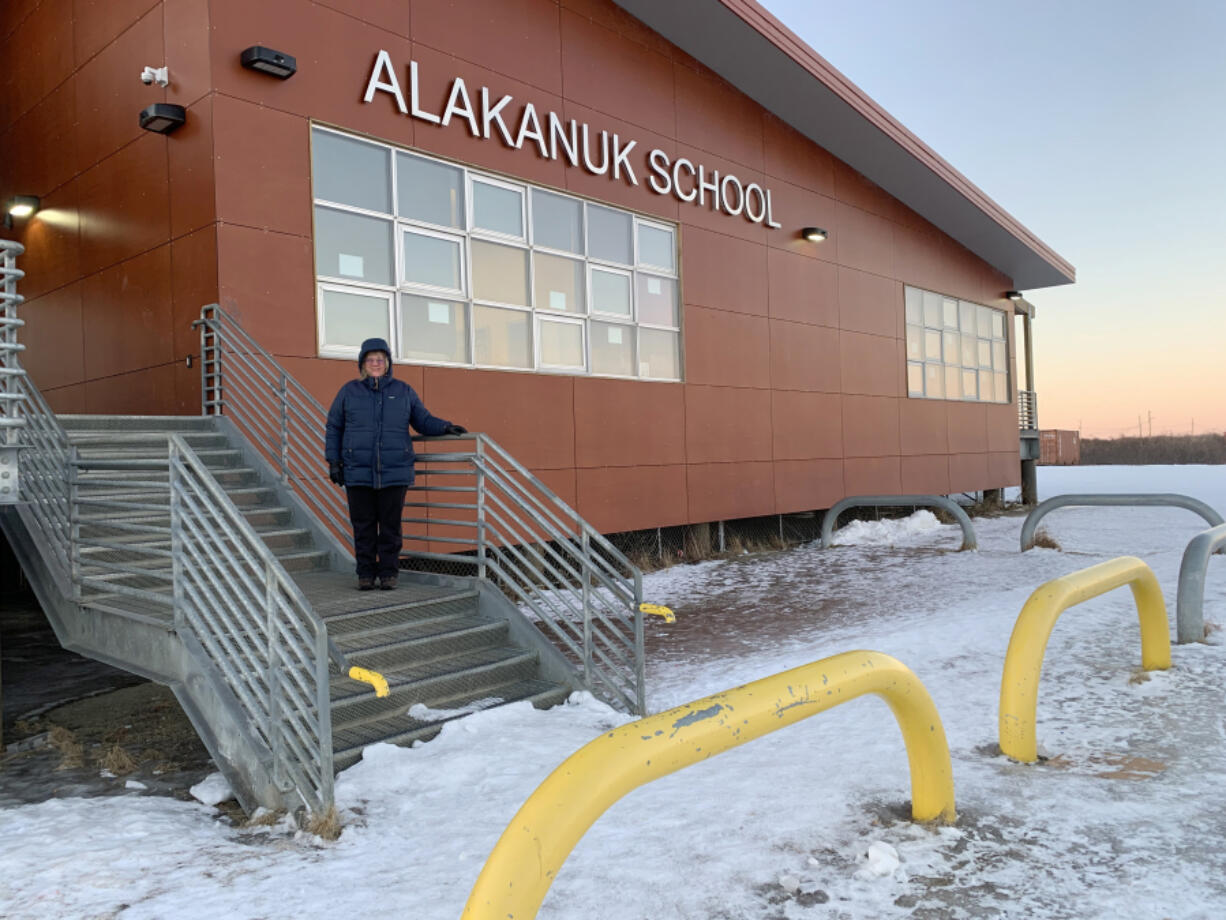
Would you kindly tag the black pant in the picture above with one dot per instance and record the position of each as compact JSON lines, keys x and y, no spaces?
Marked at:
{"x":375,"y":516}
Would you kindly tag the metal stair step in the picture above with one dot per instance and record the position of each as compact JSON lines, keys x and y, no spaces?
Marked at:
{"x":468,"y":672}
{"x":75,"y":422}
{"x":403,"y":729}
{"x":421,"y":643}
{"x":378,"y":619}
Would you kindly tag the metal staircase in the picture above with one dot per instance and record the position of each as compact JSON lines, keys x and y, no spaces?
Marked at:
{"x":210,"y":554}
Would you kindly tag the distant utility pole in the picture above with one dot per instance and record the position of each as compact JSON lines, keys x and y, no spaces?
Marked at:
{"x":1151,"y":424}
{"x":1140,"y":433}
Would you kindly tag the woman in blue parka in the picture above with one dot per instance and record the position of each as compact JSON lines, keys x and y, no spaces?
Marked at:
{"x":370,"y":452}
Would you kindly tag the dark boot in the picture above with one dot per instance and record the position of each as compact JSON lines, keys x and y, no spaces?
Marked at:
{"x":366,"y":584}
{"x":388,"y":583}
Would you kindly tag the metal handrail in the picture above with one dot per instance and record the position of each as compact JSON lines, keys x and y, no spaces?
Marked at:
{"x":517,"y":533}
{"x":12,"y":395}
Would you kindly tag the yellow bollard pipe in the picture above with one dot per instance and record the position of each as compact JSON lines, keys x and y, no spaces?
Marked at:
{"x":1019,"y":686}
{"x":374,"y":678}
{"x":526,"y":859}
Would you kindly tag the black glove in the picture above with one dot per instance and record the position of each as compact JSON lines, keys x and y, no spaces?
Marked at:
{"x":336,"y":473}
{"x":455,"y":429}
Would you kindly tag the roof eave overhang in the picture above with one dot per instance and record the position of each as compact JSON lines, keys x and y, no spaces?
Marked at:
{"x":753,"y":51}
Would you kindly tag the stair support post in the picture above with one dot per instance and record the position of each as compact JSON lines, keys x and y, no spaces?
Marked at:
{"x":283,"y":402}
{"x":587,"y":607}
{"x":176,"y":537}
{"x":74,"y":525}
{"x":481,"y":487}
{"x":272,"y":680}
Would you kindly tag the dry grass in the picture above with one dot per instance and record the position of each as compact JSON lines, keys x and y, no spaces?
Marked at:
{"x":266,"y":817}
{"x":117,"y":761}
{"x":1045,"y":540}
{"x":72,"y":754}
{"x":326,"y":825}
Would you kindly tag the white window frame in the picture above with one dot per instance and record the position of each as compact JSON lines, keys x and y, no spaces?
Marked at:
{"x":467,"y":235}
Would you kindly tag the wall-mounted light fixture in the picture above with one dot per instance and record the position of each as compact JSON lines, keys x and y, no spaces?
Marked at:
{"x":21,"y":206}
{"x":814,"y":234}
{"x":162,"y":117}
{"x":269,"y":61}
{"x":1014,"y":295}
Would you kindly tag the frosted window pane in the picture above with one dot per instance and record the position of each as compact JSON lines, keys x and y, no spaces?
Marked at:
{"x":498,"y":209}
{"x":659,"y":354}
{"x":500,"y":273}
{"x":949,"y":310}
{"x":656,"y":247}
{"x":950,"y":347}
{"x":1001,"y":387}
{"x":353,"y":246}
{"x":966,"y":313}
{"x":610,"y":292}
{"x":932,"y":345}
{"x":612,"y":349}
{"x":430,"y":191}
{"x":350,"y":319}
{"x":985,"y":321}
{"x":349,"y":171}
{"x":985,"y":353}
{"x":657,"y":300}
{"x":433,"y":329}
{"x":932,"y":309}
{"x":557,"y":222}
{"x":953,"y":383}
{"x":985,"y":387}
{"x":970,"y":385}
{"x":561,"y":344}
{"x":915,"y":379}
{"x":502,"y":337}
{"x":934,"y":381}
{"x":608,"y":235}
{"x":968,"y":350}
{"x":915,"y":343}
{"x":999,"y":357}
{"x":558,"y":283}
{"x":914,"y":298}
{"x":433,"y":261}
{"x":998,"y":324}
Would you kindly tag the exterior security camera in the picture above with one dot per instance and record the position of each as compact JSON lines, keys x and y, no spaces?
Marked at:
{"x":158,"y":75}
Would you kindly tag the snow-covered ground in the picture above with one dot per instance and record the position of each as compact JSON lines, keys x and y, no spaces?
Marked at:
{"x":1126,"y":820}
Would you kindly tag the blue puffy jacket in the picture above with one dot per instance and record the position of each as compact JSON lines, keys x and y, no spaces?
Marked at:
{"x":368,"y":427}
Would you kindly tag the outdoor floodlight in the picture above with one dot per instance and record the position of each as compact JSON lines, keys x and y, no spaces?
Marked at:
{"x":21,"y":206}
{"x":269,"y":61}
{"x":1013,"y":295}
{"x":814,"y":234}
{"x":162,"y":117}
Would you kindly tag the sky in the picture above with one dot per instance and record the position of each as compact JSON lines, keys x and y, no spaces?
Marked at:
{"x":1099,"y":125}
{"x":1123,"y":821}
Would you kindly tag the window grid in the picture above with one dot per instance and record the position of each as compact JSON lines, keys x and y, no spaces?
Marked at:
{"x":406,"y":227}
{"x":956,"y":349}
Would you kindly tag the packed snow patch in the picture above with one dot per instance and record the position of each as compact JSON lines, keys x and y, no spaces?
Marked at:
{"x":212,"y":790}
{"x":889,"y":532}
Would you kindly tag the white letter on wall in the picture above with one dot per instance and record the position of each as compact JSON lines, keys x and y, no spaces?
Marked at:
{"x":383,"y":65}
{"x":460,"y":92}
{"x":657,"y":160}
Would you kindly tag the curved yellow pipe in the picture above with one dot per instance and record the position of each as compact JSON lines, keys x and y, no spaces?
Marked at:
{"x":374,"y":678}
{"x":658,"y":610}
{"x":542,"y":834}
{"x":1019,"y":686}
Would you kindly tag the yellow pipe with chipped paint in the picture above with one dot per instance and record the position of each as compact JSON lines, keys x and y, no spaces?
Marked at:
{"x":526,"y":859}
{"x":1019,"y":685}
{"x":658,"y":610}
{"x":374,"y":678}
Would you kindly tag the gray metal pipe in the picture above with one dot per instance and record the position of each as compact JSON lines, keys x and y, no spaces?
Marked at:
{"x":969,"y":541}
{"x":1190,"y":600}
{"x":1145,"y":499}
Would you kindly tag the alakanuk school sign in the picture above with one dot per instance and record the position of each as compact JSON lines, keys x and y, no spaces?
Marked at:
{"x":577,"y":144}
